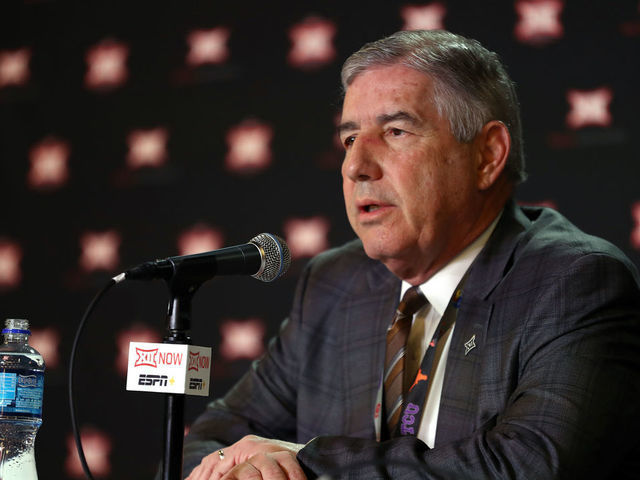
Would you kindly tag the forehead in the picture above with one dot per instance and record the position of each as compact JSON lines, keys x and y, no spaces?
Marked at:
{"x":379,"y":89}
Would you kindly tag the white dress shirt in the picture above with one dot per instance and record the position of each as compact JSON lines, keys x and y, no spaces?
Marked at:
{"x":439,"y":289}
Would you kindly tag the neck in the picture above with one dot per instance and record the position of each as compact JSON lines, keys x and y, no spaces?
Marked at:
{"x":416,"y":273}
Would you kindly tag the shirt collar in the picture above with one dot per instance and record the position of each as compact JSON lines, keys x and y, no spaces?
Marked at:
{"x":440,"y":287}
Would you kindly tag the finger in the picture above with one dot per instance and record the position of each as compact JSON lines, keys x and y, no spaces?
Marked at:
{"x":198,"y":473}
{"x":220,"y":469}
{"x":261,"y":466}
{"x":236,"y":454}
{"x":205,"y":471}
{"x":289,"y":464}
{"x":194,"y":474}
{"x":244,"y":471}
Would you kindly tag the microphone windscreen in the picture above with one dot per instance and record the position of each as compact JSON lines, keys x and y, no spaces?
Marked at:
{"x":276,"y":257}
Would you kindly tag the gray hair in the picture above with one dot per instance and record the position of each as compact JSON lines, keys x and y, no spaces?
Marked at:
{"x":471,"y":86}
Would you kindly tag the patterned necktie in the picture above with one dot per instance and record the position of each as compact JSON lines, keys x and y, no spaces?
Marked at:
{"x":397,"y":334}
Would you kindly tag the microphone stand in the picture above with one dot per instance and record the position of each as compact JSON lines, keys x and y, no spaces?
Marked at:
{"x":179,"y":323}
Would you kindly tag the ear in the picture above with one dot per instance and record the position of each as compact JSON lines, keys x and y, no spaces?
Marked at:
{"x":494,"y":144}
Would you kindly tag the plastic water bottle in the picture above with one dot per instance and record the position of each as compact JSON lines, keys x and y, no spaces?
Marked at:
{"x":21,"y":389}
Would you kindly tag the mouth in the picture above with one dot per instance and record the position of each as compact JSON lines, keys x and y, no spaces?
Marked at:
{"x":372,"y":207}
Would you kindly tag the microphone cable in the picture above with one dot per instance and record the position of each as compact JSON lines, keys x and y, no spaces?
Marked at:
{"x":74,"y":348}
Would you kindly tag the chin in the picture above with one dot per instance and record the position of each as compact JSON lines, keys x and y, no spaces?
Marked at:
{"x":370,"y":247}
{"x":377,"y":249}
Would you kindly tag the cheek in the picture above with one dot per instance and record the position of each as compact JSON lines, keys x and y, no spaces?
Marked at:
{"x":419,"y":185}
{"x":347,"y":188}
{"x":347,"y":193}
{"x":424,"y":194}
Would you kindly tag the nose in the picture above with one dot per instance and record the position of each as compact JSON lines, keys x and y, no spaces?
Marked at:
{"x":361,"y":162}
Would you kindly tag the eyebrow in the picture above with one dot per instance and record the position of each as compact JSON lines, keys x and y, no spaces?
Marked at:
{"x":346,"y":126}
{"x":380,"y":120}
{"x":400,"y":115}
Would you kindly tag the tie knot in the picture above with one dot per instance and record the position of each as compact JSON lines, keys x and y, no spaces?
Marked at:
{"x":412,"y":301}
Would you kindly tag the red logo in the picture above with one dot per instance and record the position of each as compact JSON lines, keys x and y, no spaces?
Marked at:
{"x":242,"y":338}
{"x":46,"y":341}
{"x":589,"y":107}
{"x":208,"y":46}
{"x":10,"y":255}
{"x":106,"y":65}
{"x":99,"y":250}
{"x":199,"y":238}
{"x":196,"y":362}
{"x":424,"y":17}
{"x":14,"y":66}
{"x":153,"y":358}
{"x":147,"y":148}
{"x":307,"y":237}
{"x":249,"y":147}
{"x":97,"y":450}
{"x":146,"y":358}
{"x":539,"y":21}
{"x":312,"y":43}
{"x":49,"y":164}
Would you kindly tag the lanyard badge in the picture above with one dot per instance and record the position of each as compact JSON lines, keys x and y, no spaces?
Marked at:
{"x":415,"y":398}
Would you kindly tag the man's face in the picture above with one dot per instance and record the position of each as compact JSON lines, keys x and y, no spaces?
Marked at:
{"x":409,"y":185}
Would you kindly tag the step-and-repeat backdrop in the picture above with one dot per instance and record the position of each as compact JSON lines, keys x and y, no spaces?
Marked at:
{"x":140,"y":130}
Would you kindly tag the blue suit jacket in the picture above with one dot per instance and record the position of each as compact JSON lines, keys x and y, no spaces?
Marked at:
{"x":550,"y":389}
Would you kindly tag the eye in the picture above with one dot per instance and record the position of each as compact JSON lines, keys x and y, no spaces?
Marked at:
{"x":348,"y":141}
{"x":396,"y":132}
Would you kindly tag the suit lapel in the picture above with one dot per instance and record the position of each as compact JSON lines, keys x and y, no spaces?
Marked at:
{"x":458,"y":404}
{"x":367,"y":317}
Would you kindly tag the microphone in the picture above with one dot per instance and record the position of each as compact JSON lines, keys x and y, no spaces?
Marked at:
{"x":266,"y":257}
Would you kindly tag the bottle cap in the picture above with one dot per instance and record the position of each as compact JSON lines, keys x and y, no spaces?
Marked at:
{"x":15,"y":330}
{"x":16,"y":326}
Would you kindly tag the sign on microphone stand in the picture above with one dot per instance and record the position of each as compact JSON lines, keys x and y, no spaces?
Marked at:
{"x":169,"y":368}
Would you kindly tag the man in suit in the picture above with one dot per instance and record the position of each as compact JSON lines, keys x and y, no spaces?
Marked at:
{"x":532,"y":328}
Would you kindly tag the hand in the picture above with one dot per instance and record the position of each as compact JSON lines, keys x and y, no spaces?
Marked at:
{"x":252,"y":457}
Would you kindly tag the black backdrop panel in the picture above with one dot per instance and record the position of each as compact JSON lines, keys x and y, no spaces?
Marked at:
{"x":140,"y":130}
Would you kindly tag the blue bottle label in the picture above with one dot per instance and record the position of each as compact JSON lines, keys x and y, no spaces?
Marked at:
{"x":20,"y":394}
